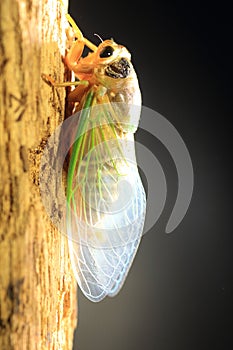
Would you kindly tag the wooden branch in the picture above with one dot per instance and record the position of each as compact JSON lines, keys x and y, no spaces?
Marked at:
{"x":37,"y":287}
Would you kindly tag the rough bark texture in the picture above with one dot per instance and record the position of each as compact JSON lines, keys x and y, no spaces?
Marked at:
{"x":37,"y":288}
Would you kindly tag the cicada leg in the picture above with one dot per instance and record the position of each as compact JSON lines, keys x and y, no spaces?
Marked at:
{"x":52,"y":82}
{"x":77,"y":47}
{"x":78,"y":34}
{"x":74,"y":95}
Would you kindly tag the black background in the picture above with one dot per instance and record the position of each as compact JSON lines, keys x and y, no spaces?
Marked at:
{"x":179,"y":292}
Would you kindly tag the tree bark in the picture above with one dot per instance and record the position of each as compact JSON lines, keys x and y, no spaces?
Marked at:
{"x":37,"y":287}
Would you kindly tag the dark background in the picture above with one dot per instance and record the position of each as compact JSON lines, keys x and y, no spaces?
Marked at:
{"x":179,"y":292}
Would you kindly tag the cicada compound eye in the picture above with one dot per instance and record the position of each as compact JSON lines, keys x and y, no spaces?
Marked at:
{"x":106,"y":52}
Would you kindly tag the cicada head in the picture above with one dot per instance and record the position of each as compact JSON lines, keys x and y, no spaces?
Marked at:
{"x":113,"y":61}
{"x":109,"y":65}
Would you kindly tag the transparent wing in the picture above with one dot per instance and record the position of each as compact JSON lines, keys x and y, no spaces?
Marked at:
{"x":105,"y":204}
{"x":101,"y":265}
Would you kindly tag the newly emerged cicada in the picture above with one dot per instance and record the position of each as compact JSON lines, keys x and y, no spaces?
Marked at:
{"x":105,"y":197}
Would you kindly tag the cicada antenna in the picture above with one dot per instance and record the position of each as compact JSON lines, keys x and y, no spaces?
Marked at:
{"x":98,"y":36}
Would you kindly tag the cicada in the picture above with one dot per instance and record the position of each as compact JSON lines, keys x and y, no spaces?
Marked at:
{"x":106,"y":200}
